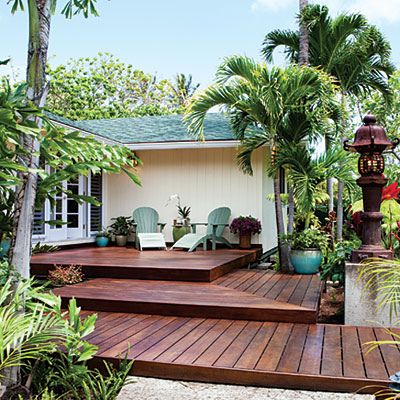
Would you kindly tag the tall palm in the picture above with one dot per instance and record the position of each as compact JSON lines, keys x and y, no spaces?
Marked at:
{"x":262,"y":103}
{"x":183,"y":88}
{"x":354,"y":52}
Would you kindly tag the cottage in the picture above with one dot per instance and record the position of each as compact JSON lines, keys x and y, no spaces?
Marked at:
{"x":204,"y":174}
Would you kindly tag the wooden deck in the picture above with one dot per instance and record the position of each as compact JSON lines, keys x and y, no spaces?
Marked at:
{"x":129,"y":263}
{"x":189,"y":299}
{"x":284,"y":355}
{"x":199,"y":317}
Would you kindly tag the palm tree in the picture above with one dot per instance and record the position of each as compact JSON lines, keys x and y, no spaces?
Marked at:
{"x":354,"y":52}
{"x":308,"y":173}
{"x":183,"y":88}
{"x":264,"y":105}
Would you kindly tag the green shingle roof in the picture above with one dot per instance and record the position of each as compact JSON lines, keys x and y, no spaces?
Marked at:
{"x":151,"y":129}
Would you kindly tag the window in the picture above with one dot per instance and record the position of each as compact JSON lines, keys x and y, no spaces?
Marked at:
{"x":96,"y":190}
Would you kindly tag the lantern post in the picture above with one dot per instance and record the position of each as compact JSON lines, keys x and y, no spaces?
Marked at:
{"x":370,"y":142}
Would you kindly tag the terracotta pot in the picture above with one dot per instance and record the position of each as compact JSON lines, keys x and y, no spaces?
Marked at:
{"x":245,"y":241}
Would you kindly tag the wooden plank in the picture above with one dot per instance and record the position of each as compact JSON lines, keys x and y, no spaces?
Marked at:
{"x":285,"y":294}
{"x":312,"y":354}
{"x":301,"y":289}
{"x":390,"y":353}
{"x":353,"y":365}
{"x":312,"y":296}
{"x":233,"y":352}
{"x":196,"y":349}
{"x":255,"y":278}
{"x":119,"y":344}
{"x":374,"y":366}
{"x":249,"y":358}
{"x":291,"y":357}
{"x":332,"y":352}
{"x":171,"y":340}
{"x":273,"y":352}
{"x":174,"y":352}
{"x":220,"y":344}
{"x":152,"y":340}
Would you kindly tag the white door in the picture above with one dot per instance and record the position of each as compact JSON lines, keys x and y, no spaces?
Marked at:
{"x":67,"y":210}
{"x":74,"y":212}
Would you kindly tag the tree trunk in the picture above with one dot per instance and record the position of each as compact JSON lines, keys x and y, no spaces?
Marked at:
{"x":24,"y":207}
{"x":290,"y":226}
{"x":39,"y":28}
{"x":303,"y":36}
{"x":339,"y":212}
{"x":280,"y":226}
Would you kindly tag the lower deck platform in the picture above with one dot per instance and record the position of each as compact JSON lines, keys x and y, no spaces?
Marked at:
{"x":282,"y":355}
{"x":129,"y":263}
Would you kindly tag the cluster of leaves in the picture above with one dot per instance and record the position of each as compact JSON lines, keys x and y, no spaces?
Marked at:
{"x":245,"y":225}
{"x":64,"y":154}
{"x":105,"y":87}
{"x":184,"y":211}
{"x":66,"y":275}
{"x":50,"y":345}
{"x":44,"y":248}
{"x":121,"y":226}
{"x":334,"y":264}
{"x":310,"y":238}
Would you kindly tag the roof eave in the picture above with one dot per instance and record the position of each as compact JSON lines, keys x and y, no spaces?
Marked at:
{"x":209,"y":144}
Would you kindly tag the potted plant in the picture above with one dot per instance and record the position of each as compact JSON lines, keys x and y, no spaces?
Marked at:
{"x":307,"y":249}
{"x":245,"y":226}
{"x":120,"y":228}
{"x":102,"y":238}
{"x":181,"y":225}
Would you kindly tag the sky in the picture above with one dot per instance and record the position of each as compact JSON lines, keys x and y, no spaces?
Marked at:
{"x":167,"y":37}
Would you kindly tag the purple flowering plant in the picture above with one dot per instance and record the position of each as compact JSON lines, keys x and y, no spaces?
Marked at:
{"x":245,"y":225}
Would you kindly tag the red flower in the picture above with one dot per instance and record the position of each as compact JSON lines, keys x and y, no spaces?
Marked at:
{"x":391,"y":192}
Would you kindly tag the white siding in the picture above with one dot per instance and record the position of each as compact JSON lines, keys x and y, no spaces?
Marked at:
{"x":204,"y":179}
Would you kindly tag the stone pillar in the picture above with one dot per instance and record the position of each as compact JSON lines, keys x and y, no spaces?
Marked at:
{"x":361,"y":303}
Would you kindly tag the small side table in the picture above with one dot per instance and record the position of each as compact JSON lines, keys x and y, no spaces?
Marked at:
{"x":179,"y":231}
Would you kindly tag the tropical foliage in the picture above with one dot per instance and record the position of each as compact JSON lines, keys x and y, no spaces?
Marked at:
{"x":266,"y":106}
{"x":49,"y":344}
{"x":349,"y":49}
{"x":64,"y":155}
{"x":105,"y":87}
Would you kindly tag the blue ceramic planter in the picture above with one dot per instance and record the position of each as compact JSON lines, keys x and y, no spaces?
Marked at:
{"x":4,"y":247}
{"x":102,"y":241}
{"x":306,"y":261}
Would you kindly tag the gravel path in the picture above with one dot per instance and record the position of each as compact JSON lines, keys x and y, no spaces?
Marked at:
{"x":161,"y":389}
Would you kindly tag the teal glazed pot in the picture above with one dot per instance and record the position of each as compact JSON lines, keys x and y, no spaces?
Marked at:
{"x":306,"y":261}
{"x":102,"y":241}
{"x":4,"y":247}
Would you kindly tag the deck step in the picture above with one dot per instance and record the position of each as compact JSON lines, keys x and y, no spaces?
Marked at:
{"x":129,"y":263}
{"x":183,"y":299}
{"x":283,"y":355}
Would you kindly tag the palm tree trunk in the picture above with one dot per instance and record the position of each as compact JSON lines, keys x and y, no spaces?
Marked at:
{"x":303,"y":36}
{"x":280,"y":226}
{"x":24,"y":206}
{"x":291,"y":210}
{"x":339,"y":213}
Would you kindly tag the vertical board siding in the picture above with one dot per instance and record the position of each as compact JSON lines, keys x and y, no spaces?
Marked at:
{"x":204,"y":179}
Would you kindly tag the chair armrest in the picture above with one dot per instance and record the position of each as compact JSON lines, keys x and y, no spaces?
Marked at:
{"x":194,"y":225}
{"x":219,"y":224}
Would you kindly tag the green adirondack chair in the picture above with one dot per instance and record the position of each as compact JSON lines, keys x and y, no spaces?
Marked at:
{"x":146,"y":223}
{"x":216,"y":222}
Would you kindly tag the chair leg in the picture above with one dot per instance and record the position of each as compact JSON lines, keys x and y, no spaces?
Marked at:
{"x":225,"y":241}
